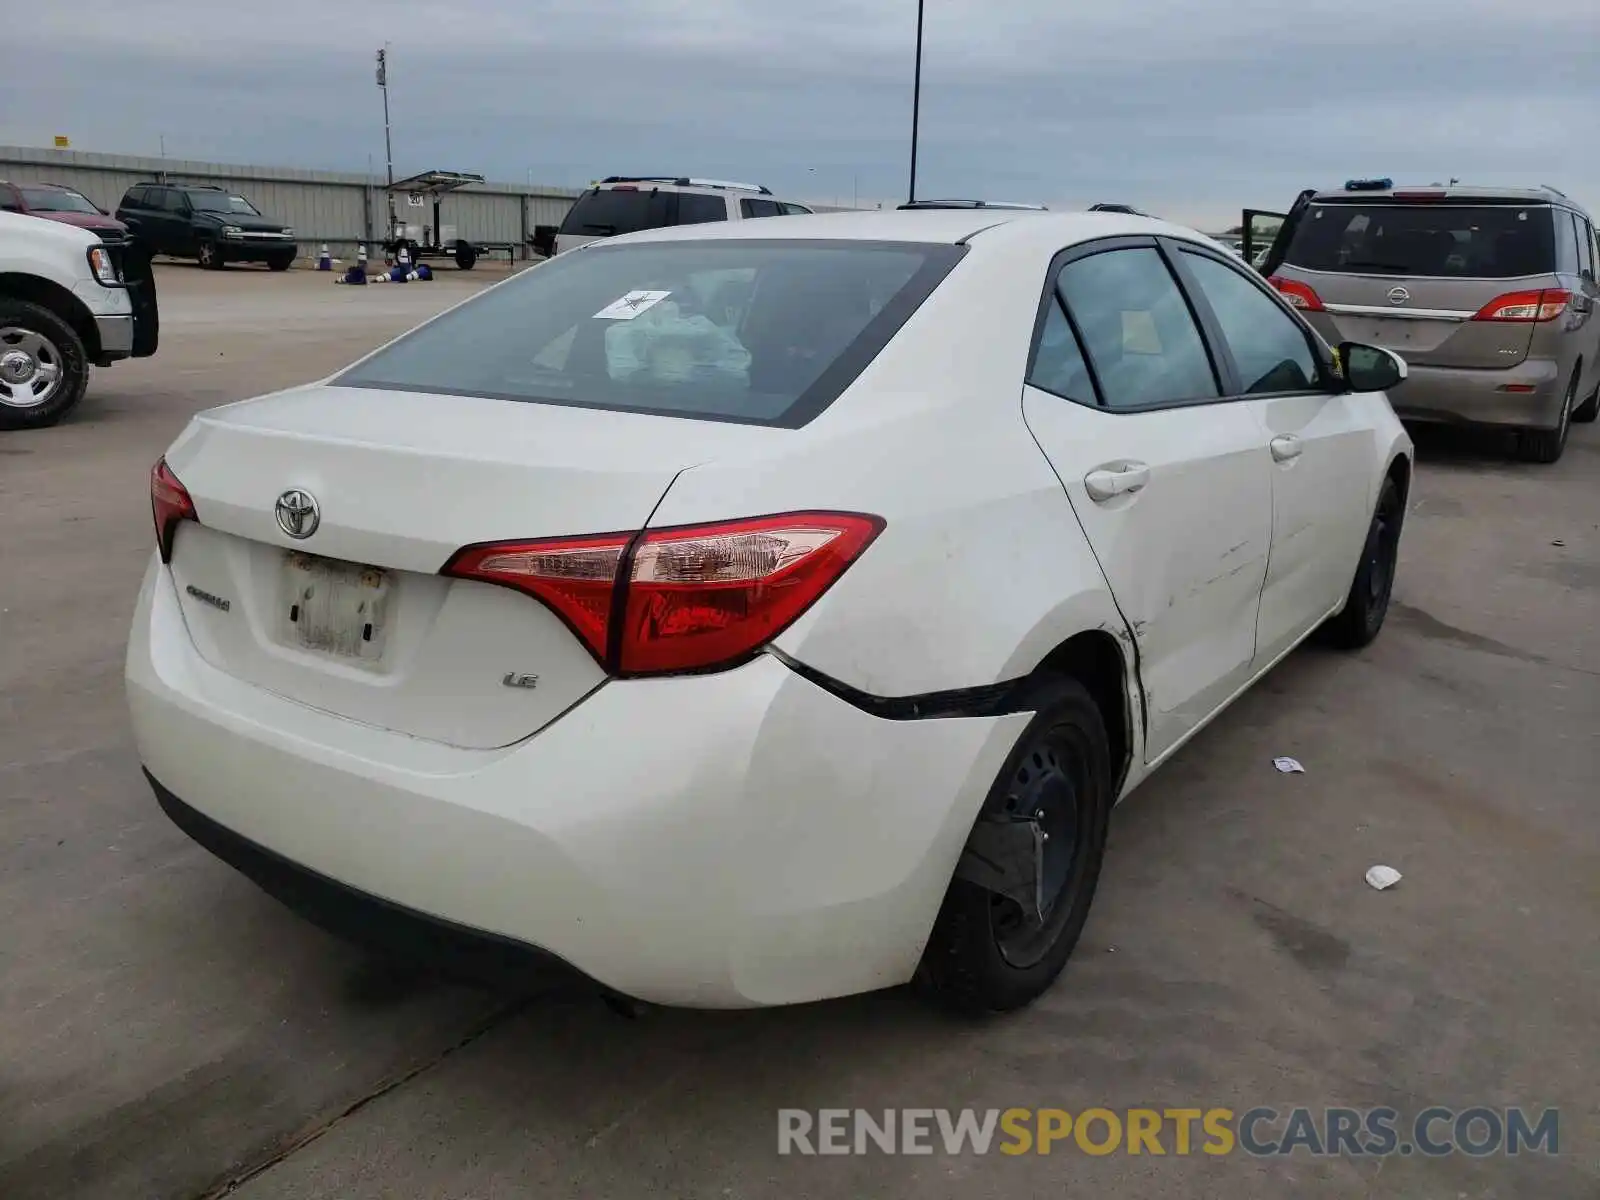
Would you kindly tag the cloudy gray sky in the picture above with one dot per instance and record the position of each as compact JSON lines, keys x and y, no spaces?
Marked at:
{"x":1191,"y":109}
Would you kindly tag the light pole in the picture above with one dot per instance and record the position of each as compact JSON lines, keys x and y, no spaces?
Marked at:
{"x":388,"y":148}
{"x":916,"y":105}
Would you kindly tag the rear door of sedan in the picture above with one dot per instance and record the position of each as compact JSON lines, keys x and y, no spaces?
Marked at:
{"x":1170,"y":479}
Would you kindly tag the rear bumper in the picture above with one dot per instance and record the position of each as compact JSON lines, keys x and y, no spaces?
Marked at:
{"x":358,"y":917}
{"x":1447,"y":395}
{"x":728,"y":840}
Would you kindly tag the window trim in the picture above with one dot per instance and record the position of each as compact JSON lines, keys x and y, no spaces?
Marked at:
{"x":1211,"y":327}
{"x":1051,"y":292}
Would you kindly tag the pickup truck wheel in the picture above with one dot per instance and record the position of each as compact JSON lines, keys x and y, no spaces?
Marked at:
{"x":210,"y":256}
{"x":281,"y":262}
{"x":44,"y":369}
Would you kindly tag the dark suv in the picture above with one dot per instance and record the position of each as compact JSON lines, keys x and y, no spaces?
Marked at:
{"x":210,"y":224}
{"x":57,"y":202}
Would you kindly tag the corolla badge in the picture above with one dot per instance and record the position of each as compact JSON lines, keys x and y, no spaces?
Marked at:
{"x":1398,"y":295}
{"x":297,"y":512}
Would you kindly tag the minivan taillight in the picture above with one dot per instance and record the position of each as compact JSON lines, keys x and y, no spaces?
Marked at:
{"x":1297,"y":293}
{"x":685,"y":598}
{"x":1527,"y":307}
{"x":170,"y":504}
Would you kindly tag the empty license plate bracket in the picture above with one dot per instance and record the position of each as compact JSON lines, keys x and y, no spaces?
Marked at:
{"x":340,"y":609}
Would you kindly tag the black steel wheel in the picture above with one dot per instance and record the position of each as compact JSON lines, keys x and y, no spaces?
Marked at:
{"x":1368,"y":602}
{"x":989,"y":953}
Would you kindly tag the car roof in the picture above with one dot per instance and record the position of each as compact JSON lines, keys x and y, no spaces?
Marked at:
{"x":1537,"y":194}
{"x":937,"y":225}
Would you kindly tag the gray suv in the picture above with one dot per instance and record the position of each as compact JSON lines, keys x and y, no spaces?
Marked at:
{"x":1489,"y":294}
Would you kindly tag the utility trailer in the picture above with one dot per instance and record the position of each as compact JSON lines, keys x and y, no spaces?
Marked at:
{"x":421,"y":239}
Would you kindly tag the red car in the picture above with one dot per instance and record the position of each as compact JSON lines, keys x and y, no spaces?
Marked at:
{"x":54,"y":202}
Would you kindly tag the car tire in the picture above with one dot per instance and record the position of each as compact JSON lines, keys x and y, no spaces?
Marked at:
{"x":36,"y":332}
{"x":210,"y":257}
{"x":1589,"y":409}
{"x":281,"y":263}
{"x":1546,"y":445}
{"x":1367,"y":604}
{"x":984,"y":955}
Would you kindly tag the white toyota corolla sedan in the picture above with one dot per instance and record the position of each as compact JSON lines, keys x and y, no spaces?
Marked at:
{"x":757,"y":613}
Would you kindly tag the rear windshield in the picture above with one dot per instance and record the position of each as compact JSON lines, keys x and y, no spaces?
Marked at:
{"x":757,"y":331}
{"x":610,"y":212}
{"x":1489,"y":242}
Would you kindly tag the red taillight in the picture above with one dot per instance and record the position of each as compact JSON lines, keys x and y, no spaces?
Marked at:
{"x":169,"y":504}
{"x":690,"y":598}
{"x":1297,"y":294}
{"x":1526,"y":307}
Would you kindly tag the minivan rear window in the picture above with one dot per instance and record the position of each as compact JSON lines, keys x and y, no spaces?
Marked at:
{"x":764,"y":332}
{"x":1444,"y":240}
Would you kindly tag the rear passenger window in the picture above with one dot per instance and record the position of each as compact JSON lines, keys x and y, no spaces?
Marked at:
{"x":1566,"y":242}
{"x":760,"y":208}
{"x":1269,"y":348}
{"x":1585,"y":245}
{"x":1058,"y":364}
{"x":1137,"y":329}
{"x":794,"y":210}
{"x":695,"y":209}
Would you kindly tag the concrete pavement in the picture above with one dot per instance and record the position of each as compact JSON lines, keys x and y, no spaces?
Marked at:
{"x":166,"y":1029}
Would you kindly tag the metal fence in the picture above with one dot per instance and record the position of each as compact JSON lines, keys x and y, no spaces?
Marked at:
{"x":342,"y":210}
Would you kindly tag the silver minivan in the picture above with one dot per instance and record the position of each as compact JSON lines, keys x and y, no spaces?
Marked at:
{"x":1489,"y":294}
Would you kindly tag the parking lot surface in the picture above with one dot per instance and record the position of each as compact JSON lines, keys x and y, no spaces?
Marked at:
{"x":168,"y":1031}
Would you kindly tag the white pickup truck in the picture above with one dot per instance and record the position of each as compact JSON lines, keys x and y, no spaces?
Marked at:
{"x":68,"y":300}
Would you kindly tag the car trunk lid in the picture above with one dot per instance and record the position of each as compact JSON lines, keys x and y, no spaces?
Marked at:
{"x":1428,"y":322}
{"x":354,"y":618}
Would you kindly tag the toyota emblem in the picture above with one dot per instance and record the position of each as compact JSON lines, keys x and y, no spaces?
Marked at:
{"x":1398,"y":295}
{"x":297,"y":513}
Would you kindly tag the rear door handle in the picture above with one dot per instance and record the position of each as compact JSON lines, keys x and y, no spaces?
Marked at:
{"x":1119,"y":479}
{"x":1286,"y":448}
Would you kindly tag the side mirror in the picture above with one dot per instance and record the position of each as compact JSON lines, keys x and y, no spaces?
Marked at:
{"x":1370,"y":368}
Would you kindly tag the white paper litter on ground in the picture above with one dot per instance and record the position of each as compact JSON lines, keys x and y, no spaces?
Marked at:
{"x":1289,"y":766}
{"x":1382,"y":877}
